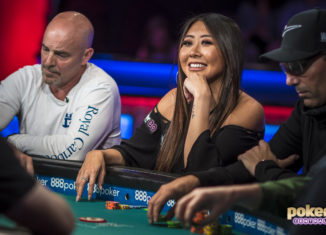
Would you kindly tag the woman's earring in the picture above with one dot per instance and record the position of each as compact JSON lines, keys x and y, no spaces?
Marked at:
{"x":176,"y":77}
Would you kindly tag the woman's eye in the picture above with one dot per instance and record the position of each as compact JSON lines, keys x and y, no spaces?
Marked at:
{"x":206,"y":42}
{"x":186,"y":43}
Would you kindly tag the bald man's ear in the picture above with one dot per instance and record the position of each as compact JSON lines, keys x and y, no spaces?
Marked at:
{"x":87,"y":55}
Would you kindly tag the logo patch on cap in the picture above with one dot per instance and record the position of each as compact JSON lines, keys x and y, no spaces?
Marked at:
{"x":289,"y":28}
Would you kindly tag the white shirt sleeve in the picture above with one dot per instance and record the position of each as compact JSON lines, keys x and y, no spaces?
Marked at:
{"x":95,"y":123}
{"x":10,"y":98}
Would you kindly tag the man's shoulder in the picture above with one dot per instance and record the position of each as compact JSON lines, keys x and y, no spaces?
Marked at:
{"x":29,"y":74}
{"x":96,"y":79}
{"x":97,"y":74}
{"x":36,"y":68}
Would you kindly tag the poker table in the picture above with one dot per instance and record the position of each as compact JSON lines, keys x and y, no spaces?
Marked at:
{"x":131,"y":186}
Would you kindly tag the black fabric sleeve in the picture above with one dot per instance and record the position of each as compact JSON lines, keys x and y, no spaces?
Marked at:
{"x":235,"y":173}
{"x":221,"y":150}
{"x":214,"y":160}
{"x":269,"y":170}
{"x":142,"y":148}
{"x":15,"y":181}
{"x":286,"y":141}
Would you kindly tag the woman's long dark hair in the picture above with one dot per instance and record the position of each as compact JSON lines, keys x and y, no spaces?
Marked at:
{"x":229,"y":39}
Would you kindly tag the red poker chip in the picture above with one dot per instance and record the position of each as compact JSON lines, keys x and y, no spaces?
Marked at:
{"x":92,"y":219}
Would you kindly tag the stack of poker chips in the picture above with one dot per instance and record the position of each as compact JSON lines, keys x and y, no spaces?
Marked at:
{"x":225,"y":229}
{"x":196,"y":228}
{"x":124,"y":207}
{"x":112,"y":205}
{"x":174,"y":224}
{"x":212,"y":229}
{"x":162,"y":220}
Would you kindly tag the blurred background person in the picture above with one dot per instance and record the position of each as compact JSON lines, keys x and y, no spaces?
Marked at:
{"x":157,"y":43}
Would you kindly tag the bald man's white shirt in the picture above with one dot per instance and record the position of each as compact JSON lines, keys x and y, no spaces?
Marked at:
{"x":89,"y":118}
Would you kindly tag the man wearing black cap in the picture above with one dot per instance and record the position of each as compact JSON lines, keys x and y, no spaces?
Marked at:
{"x":302,"y":56}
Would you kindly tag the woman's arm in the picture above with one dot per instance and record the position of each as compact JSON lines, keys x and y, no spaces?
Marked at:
{"x":94,"y":167}
{"x":197,"y":92}
{"x":138,"y":151}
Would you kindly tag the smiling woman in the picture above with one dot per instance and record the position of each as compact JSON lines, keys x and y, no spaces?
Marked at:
{"x":200,"y":53}
{"x":201,"y":126}
{"x":208,"y":96}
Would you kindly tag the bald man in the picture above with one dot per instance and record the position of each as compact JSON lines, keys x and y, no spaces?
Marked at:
{"x":66,"y":106}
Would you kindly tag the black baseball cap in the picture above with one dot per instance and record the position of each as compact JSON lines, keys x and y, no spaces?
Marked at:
{"x":304,"y":36}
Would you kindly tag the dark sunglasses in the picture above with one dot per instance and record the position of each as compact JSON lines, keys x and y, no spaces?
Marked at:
{"x":299,"y":67}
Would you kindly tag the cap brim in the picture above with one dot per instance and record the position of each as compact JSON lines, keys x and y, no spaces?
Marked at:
{"x":282,"y":55}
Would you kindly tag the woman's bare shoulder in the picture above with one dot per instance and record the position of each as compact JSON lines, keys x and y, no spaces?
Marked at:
{"x":248,"y":113}
{"x":166,"y":104}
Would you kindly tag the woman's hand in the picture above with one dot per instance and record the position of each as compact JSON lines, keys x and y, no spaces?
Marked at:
{"x":92,"y":168}
{"x":195,"y":86}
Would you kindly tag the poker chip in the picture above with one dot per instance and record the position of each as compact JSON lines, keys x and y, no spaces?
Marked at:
{"x":196,"y":229}
{"x":198,"y":218}
{"x":212,"y":229}
{"x":124,"y":207}
{"x":174,"y":224}
{"x":92,"y":219}
{"x":225,"y":229}
{"x":112,"y":205}
{"x":161,"y":218}
{"x":132,"y":206}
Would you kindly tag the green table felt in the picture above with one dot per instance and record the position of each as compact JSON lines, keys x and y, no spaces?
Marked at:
{"x":118,"y":222}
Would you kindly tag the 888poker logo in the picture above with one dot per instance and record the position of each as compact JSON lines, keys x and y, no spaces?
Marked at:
{"x":68,"y":186}
{"x":62,"y":184}
{"x":108,"y":192}
{"x":144,"y":197}
{"x":56,"y":184}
